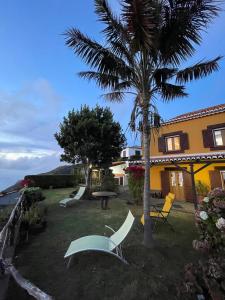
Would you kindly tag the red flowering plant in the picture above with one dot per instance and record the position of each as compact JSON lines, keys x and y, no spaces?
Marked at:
{"x":136,"y":182}
{"x":25,"y":183}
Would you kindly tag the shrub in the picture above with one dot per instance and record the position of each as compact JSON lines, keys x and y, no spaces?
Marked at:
{"x":108,"y":183}
{"x":207,"y":278}
{"x":56,"y":181}
{"x":136,"y":182}
{"x":210,"y":220}
{"x":202,"y":189}
{"x":32,"y":195}
{"x":34,"y":220}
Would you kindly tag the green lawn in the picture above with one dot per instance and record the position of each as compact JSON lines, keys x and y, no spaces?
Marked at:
{"x":151,"y":274}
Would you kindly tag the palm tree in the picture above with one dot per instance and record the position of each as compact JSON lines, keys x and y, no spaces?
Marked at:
{"x":141,"y":55}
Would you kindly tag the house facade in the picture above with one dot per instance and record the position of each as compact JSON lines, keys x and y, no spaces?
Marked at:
{"x":130,"y":152}
{"x":128,"y":156}
{"x":189,"y":147}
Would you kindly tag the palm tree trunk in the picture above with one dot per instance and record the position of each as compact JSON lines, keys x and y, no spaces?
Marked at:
{"x":148,"y":239}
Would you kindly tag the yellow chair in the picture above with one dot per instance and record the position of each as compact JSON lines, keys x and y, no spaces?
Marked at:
{"x":162,"y":214}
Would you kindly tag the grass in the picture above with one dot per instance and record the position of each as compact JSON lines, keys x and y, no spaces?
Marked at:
{"x":151,"y":274}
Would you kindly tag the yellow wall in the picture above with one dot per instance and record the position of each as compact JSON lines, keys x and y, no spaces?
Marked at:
{"x":194,"y":130}
{"x":203,"y":175}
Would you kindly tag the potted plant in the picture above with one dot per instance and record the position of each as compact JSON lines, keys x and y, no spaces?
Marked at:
{"x":202,"y":190}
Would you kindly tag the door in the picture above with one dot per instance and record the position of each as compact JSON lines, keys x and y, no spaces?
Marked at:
{"x":177,"y":184}
{"x":222,"y":173}
{"x":121,"y":181}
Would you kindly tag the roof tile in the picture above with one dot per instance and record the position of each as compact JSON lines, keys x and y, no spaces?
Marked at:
{"x":198,"y":113}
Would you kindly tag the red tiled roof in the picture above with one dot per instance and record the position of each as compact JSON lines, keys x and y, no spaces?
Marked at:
{"x":198,"y":113}
{"x":117,"y":163}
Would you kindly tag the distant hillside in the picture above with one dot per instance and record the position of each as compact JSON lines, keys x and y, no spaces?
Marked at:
{"x":14,"y":187}
{"x":62,"y":170}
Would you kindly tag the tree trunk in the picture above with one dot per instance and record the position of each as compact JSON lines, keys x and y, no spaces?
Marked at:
{"x":148,"y":239}
{"x":88,"y":179}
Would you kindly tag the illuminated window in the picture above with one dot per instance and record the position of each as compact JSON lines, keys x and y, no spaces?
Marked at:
{"x":219,"y":137}
{"x":173,"y":178}
{"x":173,"y":143}
{"x":181,"y":180}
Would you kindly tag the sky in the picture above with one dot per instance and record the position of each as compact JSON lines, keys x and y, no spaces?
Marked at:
{"x":39,"y":85}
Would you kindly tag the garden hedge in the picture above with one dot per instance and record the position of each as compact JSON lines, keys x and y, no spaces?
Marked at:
{"x":54,"y":181}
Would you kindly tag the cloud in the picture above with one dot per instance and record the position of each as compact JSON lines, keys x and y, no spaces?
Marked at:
{"x":13,"y":170}
{"x":31,"y":113}
{"x":29,"y":117}
{"x":27,"y":163}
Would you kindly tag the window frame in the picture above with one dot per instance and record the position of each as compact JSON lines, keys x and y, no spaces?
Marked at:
{"x":137,"y":154}
{"x":214,"y":136}
{"x":169,"y":137}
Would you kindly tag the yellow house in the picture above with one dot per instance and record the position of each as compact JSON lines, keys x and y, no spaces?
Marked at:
{"x":188,"y":148}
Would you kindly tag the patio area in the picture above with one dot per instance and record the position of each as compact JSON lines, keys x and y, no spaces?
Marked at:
{"x":151,"y":274}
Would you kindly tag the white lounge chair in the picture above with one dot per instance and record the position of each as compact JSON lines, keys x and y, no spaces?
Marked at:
{"x":102,"y":243}
{"x":69,"y":201}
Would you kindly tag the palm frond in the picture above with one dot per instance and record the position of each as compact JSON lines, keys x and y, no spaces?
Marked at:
{"x":182,"y":24}
{"x":123,"y":85}
{"x":134,"y":114}
{"x":115,"y":30}
{"x":116,"y":96}
{"x":197,"y":71}
{"x":102,"y":80}
{"x":121,"y":51}
{"x":96,"y":55}
{"x":105,"y":81}
{"x":170,"y":91}
{"x":142,"y":21}
{"x":163,"y":74}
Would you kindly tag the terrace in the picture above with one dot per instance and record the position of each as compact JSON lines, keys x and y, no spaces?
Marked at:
{"x":151,"y":273}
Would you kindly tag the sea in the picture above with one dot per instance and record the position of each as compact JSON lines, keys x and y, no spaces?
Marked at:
{"x":9,"y":199}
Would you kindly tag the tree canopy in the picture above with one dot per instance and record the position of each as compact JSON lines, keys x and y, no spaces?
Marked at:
{"x":90,"y":136}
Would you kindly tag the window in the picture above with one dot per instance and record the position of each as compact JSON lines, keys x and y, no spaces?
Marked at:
{"x":124,"y":153}
{"x":137,"y":152}
{"x":173,"y":143}
{"x":223,"y":178}
{"x":219,"y":137}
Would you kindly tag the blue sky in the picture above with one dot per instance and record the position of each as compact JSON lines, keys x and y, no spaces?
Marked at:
{"x":38,"y":82}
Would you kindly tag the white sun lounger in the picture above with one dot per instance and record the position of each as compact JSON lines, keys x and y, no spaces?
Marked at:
{"x":102,"y":243}
{"x":69,"y":201}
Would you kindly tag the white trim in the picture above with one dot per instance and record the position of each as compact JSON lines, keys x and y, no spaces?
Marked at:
{"x":208,"y":155}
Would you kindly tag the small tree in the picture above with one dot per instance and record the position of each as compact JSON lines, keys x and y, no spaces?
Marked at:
{"x":90,"y":136}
